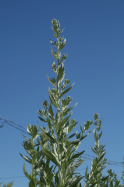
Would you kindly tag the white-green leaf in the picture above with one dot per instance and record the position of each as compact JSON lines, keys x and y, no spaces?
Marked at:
{"x":26,"y":158}
{"x":77,"y":155}
{"x":47,"y":135}
{"x":65,"y":91}
{"x":72,"y":126}
{"x":61,"y":73}
{"x":50,"y":156}
{"x":63,"y":57}
{"x":42,"y":119}
{"x":63,"y":122}
{"x":52,"y":99}
{"x":62,"y":44}
{"x":26,"y":173}
{"x":54,"y":54}
{"x":54,"y":67}
{"x":71,"y":168}
{"x":52,"y":81}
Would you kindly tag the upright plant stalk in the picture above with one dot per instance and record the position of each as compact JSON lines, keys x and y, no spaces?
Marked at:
{"x":97,"y":165}
{"x":61,"y":147}
{"x":62,"y":150}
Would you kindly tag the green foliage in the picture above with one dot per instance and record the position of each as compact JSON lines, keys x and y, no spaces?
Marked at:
{"x":98,"y":164}
{"x":54,"y":143}
{"x":8,"y":185}
{"x":59,"y":150}
{"x":113,"y":181}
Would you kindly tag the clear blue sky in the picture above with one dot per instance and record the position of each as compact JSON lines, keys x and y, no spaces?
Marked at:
{"x":94,"y":31}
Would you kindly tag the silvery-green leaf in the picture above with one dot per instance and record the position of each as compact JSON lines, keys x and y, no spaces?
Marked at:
{"x":54,"y":67}
{"x":66,"y":82}
{"x":62,"y":30}
{"x":65,"y":130}
{"x":29,"y":129}
{"x":65,"y":91}
{"x":54,"y":44}
{"x":63,"y":122}
{"x":54,"y":54}
{"x":100,"y":134}
{"x":56,"y":178}
{"x":47,"y":134}
{"x":55,"y":148}
{"x":66,"y":111}
{"x":72,"y":126}
{"x":52,"y":81}
{"x":71,"y":168}
{"x":75,"y":181}
{"x":26,"y":158}
{"x":60,"y":39}
{"x":25,"y":172}
{"x":58,"y":54}
{"x":75,"y":141}
{"x":71,"y":135}
{"x":61,"y":45}
{"x":61,"y":73}
{"x":66,"y":102}
{"x":52,"y":98}
{"x":50,"y":112}
{"x":77,"y":155}
{"x":63,"y":57}
{"x":25,"y":137}
{"x":42,"y":119}
{"x":49,"y":123}
{"x":54,"y":93}
{"x":50,"y":155}
{"x":41,"y":112}
{"x":72,"y":182}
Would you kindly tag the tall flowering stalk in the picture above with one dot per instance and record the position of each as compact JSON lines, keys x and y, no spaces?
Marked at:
{"x":54,"y":142}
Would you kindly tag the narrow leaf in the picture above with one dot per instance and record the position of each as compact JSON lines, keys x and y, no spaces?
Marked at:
{"x":72,"y":126}
{"x":52,"y":99}
{"x":26,"y":173}
{"x":65,"y":91}
{"x":63,"y":122}
{"x":52,"y":81}
{"x":54,"y":54}
{"x":26,"y":158}
{"x":61,"y":73}
{"x":50,"y":155}
{"x":48,"y":135}
{"x":42,"y":119}
{"x":77,"y":155}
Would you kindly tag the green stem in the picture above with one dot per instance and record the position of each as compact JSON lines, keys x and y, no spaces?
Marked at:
{"x":57,"y":108}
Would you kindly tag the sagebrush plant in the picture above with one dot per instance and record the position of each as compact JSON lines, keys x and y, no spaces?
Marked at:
{"x":59,"y":150}
{"x":54,"y":142}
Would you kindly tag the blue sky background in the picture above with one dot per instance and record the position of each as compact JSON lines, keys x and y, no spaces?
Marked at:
{"x":94,"y":31}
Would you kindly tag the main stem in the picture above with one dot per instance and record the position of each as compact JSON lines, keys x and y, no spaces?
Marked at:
{"x":58,"y":109}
